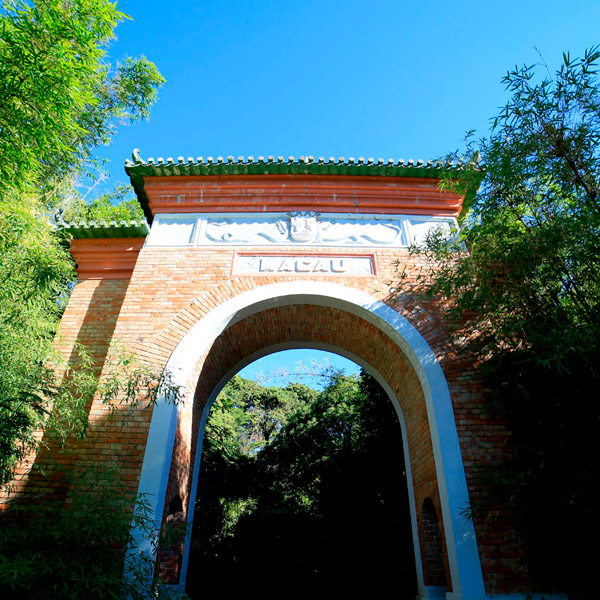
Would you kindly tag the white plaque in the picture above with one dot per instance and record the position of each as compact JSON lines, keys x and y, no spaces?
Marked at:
{"x":309,"y":264}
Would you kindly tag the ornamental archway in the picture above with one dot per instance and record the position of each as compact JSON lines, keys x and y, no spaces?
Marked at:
{"x":238,"y":258}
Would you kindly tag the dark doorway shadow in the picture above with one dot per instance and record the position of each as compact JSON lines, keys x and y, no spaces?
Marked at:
{"x":352,"y":540}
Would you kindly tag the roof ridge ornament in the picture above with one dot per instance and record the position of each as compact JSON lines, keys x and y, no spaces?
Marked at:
{"x":137,"y":161}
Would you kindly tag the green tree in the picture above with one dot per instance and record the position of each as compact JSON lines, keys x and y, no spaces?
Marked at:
{"x":526,"y":297}
{"x":118,"y":204}
{"x":320,"y":504}
{"x":35,"y":276}
{"x":244,"y":419}
{"x":77,"y":551}
{"x":247,"y":416}
{"x":59,"y":98}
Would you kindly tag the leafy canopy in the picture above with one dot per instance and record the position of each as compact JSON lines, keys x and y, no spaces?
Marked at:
{"x":59,"y":98}
{"x":531,"y":277}
{"x":526,"y":300}
{"x":119,"y":204}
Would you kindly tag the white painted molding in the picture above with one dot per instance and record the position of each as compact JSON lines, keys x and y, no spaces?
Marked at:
{"x":325,"y":230}
{"x":463,"y":555}
{"x":432,"y":592}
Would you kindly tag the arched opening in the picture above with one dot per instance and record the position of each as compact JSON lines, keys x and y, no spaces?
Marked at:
{"x":321,"y":510}
{"x":175,"y":506}
{"x":333,"y":317}
{"x":433,"y":568}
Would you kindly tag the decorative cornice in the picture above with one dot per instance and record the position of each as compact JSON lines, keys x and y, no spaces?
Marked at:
{"x":288,"y":193}
{"x":310,"y":229}
{"x":106,"y":258}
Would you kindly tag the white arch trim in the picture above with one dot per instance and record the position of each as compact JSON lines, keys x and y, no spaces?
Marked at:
{"x":463,"y":555}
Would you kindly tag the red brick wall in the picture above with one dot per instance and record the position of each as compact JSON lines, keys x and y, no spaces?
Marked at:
{"x":89,"y":319}
{"x":434,"y":570}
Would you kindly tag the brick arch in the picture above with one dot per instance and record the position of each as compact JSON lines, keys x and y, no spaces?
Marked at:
{"x":212,"y":349}
{"x":158,"y":347}
{"x":309,"y":325}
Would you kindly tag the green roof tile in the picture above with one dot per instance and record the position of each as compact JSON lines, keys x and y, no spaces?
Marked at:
{"x":103,"y":230}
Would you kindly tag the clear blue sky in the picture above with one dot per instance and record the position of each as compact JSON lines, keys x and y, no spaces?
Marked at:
{"x":386,"y":78}
{"x":345,"y":78}
{"x":302,"y":366}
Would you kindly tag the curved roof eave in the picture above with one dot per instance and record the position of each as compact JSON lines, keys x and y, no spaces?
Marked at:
{"x":138,"y":169}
